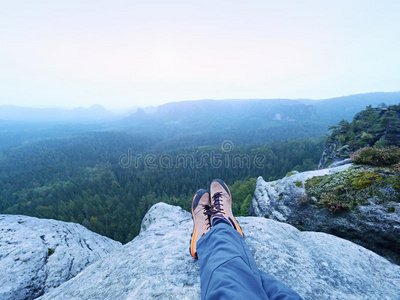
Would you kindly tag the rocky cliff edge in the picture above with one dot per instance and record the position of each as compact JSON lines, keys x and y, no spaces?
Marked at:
{"x":38,"y":255}
{"x":156,"y":264}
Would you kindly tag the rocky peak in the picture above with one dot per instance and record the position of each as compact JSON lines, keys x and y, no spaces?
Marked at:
{"x":38,"y":255}
{"x":378,"y":126}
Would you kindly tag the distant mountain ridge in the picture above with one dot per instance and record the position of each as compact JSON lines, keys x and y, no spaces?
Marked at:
{"x":337,"y":108}
{"x":203,"y":122}
{"x":94,"y":113}
{"x":329,"y":110}
{"x":252,"y":121}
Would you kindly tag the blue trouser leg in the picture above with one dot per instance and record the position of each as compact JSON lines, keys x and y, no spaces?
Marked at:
{"x":228,"y":269}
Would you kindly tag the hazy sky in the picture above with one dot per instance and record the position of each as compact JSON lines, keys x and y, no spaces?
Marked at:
{"x":122,"y":53}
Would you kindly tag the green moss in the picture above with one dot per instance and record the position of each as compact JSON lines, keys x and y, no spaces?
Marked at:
{"x":298,"y":183}
{"x":50,"y":252}
{"x":354,"y":203}
{"x":365,"y":179}
{"x":348,"y":189}
{"x":288,"y":174}
{"x":391,"y":209}
{"x":386,"y":156}
{"x":332,"y":203}
{"x":315,"y":180}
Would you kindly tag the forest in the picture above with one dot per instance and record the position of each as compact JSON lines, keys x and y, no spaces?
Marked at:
{"x":378,"y":127}
{"x":85,"y":179}
{"x":106,"y":180}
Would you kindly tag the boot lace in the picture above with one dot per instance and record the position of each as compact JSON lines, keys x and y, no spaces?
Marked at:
{"x":206,"y":212}
{"x":217,"y":206}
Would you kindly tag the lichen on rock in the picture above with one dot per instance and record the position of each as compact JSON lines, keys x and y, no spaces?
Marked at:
{"x":353,"y":187}
{"x":358,"y":203}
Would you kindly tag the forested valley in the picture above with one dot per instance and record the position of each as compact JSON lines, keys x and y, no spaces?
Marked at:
{"x":106,"y":181}
{"x":107,"y":176}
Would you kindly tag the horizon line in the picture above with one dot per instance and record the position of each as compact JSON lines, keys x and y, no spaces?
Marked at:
{"x":133,"y":106}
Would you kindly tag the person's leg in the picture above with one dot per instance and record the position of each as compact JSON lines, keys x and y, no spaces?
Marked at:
{"x":228,"y":269}
{"x":275,"y":289}
{"x":225,"y":269}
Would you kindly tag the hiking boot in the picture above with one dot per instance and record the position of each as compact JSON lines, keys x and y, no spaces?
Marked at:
{"x":201,"y":220}
{"x":221,"y":205}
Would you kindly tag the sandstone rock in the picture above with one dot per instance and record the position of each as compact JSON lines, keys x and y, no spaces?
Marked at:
{"x":37,"y":255}
{"x":157,"y":264}
{"x":340,"y":163}
{"x":374,"y":224}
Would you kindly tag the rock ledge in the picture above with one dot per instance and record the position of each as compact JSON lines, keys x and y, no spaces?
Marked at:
{"x":37,"y":255}
{"x":157,"y":265}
